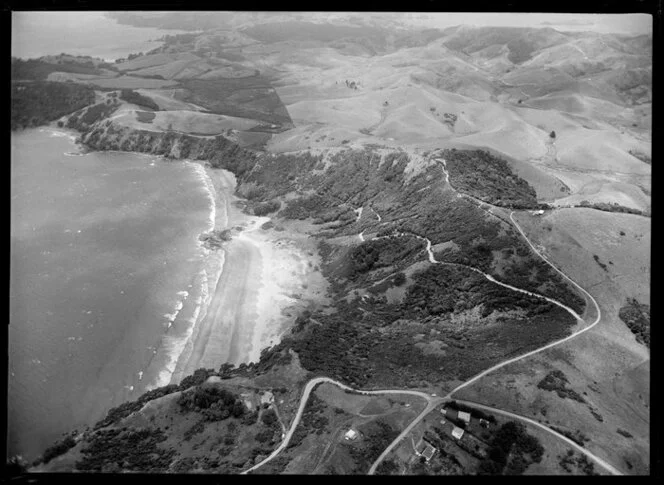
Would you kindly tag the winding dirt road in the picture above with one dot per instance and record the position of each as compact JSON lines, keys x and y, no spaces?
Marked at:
{"x":305,"y":397}
{"x":473,"y":379}
{"x":433,"y":401}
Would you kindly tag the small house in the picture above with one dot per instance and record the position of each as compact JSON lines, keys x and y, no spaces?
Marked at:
{"x":428,"y":452}
{"x":267,"y":398}
{"x":351,"y":434}
{"x":425,"y":449}
{"x":464,"y":416}
{"x":457,"y":432}
{"x":248,"y":402}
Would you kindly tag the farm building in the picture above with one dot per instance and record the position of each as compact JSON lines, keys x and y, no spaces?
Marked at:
{"x":425,"y":449}
{"x":267,"y":398}
{"x":351,"y":435}
{"x":457,"y":432}
{"x":464,"y":416}
{"x":428,"y":452}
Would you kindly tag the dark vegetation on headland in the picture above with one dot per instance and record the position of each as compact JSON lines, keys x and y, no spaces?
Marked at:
{"x":120,"y":412}
{"x":38,"y":70}
{"x":637,"y":317}
{"x":432,"y":336}
{"x":113,"y":447}
{"x":488,"y":178}
{"x":116,"y":449}
{"x":86,"y":117}
{"x":39,"y":102}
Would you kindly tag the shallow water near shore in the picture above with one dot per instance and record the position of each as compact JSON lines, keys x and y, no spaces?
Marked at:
{"x":107,"y":280}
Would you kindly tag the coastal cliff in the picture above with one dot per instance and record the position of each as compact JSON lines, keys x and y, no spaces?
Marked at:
{"x":219,"y":151}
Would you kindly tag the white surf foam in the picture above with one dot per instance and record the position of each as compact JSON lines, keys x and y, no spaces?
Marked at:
{"x":177,"y":348}
{"x":200,"y":172}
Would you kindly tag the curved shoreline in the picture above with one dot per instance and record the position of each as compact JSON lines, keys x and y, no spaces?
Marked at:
{"x":249,"y":298}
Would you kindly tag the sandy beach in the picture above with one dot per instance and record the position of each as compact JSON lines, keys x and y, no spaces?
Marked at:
{"x":267,"y":276}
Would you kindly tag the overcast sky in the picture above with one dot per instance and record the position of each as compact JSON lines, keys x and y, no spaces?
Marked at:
{"x":603,"y":23}
{"x":91,"y":33}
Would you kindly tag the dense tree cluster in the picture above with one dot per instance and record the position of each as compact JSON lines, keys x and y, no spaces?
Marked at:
{"x":511,"y":451}
{"x":572,"y":461}
{"x":125,"y":409}
{"x":556,"y":381}
{"x":83,"y":120}
{"x":443,"y":289}
{"x":611,"y":207}
{"x":313,"y":420}
{"x":126,"y":449}
{"x":577,"y":436}
{"x":39,"y":102}
{"x":387,"y":467}
{"x":489,"y":178}
{"x":197,"y":428}
{"x":268,"y":207}
{"x":38,"y":70}
{"x":215,"y":403}
{"x":377,"y":435}
{"x":131,"y":96}
{"x":637,"y":317}
{"x":379,"y":253}
{"x":374,"y":343}
{"x":57,"y":449}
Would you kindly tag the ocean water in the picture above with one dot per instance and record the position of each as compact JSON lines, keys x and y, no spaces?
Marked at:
{"x":36,"y":34}
{"x":107,"y":280}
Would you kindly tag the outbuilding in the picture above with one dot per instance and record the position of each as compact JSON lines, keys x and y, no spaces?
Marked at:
{"x":428,"y":452}
{"x":457,"y":432}
{"x":464,"y":416}
{"x":425,"y":449}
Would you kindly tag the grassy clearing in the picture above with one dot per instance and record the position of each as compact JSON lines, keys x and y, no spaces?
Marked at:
{"x":251,"y":97}
{"x":145,"y":116}
{"x":132,"y":82}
